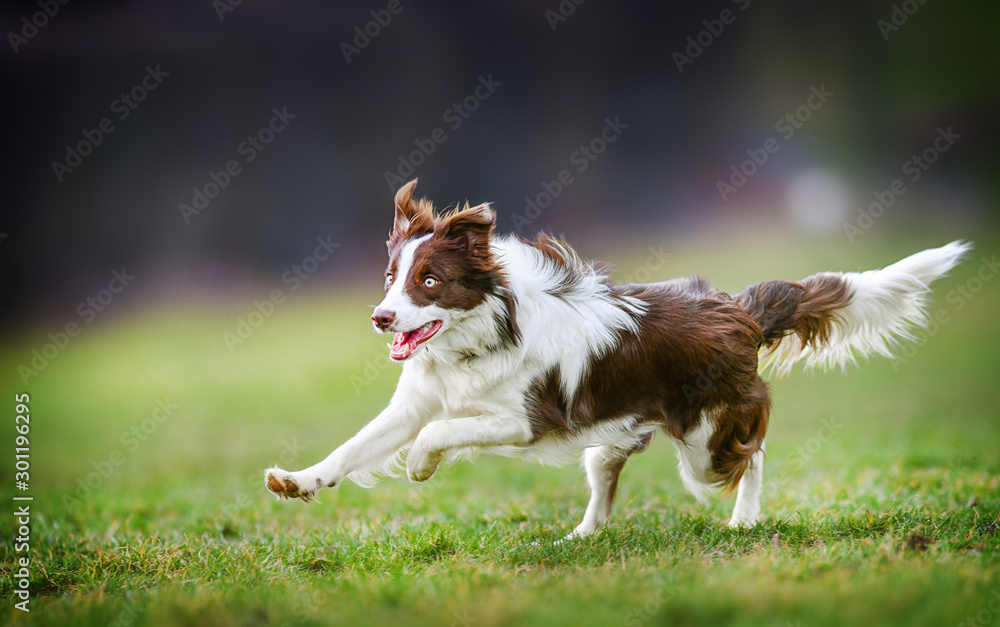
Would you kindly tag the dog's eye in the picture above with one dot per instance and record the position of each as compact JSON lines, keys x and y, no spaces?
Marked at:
{"x":430,"y":282}
{"x":388,"y":280}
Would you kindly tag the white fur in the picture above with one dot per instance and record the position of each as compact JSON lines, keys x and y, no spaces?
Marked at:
{"x":695,"y":459}
{"x":886,"y":306}
{"x":599,"y":461}
{"x":407,"y":315}
{"x":746,"y":512}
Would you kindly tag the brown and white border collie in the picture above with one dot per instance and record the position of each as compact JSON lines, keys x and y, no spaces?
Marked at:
{"x":521,"y":348}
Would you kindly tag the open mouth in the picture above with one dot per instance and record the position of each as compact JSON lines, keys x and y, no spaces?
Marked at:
{"x":405,"y":344}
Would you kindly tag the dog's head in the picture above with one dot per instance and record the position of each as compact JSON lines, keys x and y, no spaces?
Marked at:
{"x":440,"y":268}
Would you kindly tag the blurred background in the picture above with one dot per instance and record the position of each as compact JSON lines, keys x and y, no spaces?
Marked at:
{"x":196,"y":198}
{"x":725,"y":117}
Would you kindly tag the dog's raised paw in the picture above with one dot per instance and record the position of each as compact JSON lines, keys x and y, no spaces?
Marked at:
{"x":282,"y":485}
{"x":421,"y":466}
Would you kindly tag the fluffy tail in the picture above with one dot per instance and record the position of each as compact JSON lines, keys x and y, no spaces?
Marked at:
{"x":830,"y":318}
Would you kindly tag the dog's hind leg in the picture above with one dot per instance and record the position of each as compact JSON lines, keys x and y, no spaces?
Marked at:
{"x":738,"y":451}
{"x":603,"y":465}
{"x":746,"y":512}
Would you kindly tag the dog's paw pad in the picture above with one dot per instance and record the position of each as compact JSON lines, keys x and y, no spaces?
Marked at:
{"x":275,"y":485}
{"x":282,"y":485}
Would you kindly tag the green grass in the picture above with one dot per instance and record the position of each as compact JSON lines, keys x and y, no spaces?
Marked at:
{"x":887,"y":515}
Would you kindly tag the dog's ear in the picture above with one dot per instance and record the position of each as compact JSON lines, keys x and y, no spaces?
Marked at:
{"x":470,"y":229}
{"x":406,"y":209}
{"x":411,"y":216}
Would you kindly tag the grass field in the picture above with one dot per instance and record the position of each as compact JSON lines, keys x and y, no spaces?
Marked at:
{"x":882,"y":497}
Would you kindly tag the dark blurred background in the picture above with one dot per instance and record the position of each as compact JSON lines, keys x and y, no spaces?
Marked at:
{"x":897,"y":71}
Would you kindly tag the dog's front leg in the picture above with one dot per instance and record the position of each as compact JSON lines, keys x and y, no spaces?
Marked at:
{"x":437,"y":437}
{"x":370,"y":450}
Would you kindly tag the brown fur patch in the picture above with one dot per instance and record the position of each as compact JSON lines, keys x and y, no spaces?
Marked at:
{"x":547,"y":409}
{"x":739,"y":433}
{"x":689,"y":330}
{"x":816,"y":315}
{"x":510,"y":334}
{"x":808,"y":309}
{"x":616,"y":468}
{"x":772,"y":305}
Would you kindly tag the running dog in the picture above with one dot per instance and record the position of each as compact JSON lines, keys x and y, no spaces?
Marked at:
{"x":523,"y":349}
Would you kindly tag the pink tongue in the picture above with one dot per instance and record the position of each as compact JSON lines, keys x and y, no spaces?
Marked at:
{"x":400,"y":349}
{"x":405,"y":344}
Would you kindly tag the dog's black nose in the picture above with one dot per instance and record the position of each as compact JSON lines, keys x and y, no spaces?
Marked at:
{"x":383,"y":318}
